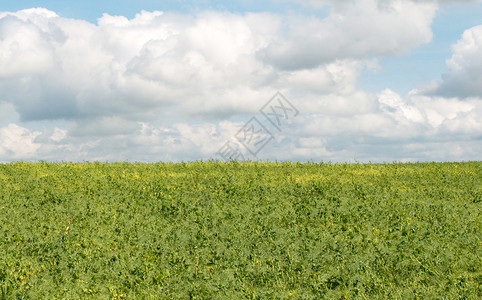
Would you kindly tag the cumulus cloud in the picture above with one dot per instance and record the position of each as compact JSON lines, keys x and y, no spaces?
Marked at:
{"x":17,"y":142}
{"x":361,"y":29}
{"x":169,"y":86}
{"x":57,"y":68}
{"x":213,"y":64}
{"x":464,"y":78}
{"x":416,"y":127}
{"x":393,"y":127}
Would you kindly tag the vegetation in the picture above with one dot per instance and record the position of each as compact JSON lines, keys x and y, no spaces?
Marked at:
{"x":207,"y":230}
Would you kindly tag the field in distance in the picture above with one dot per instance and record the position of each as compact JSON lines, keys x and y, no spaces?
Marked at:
{"x":207,"y":230}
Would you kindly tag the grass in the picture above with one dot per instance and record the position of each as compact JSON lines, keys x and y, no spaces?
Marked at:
{"x":252,"y":230}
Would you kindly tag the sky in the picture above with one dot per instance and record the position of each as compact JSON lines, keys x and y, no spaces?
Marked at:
{"x":279,"y":80}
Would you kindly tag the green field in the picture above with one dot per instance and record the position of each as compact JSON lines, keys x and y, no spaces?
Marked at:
{"x":208,"y":230}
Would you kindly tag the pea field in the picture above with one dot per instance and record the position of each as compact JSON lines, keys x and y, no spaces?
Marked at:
{"x":240,"y":230}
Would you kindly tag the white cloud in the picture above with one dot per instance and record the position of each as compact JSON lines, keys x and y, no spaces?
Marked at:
{"x":103,"y":126}
{"x":210,"y":64}
{"x":17,"y":142}
{"x":464,"y":78}
{"x":158,"y":86}
{"x":393,"y":105}
{"x":58,"y":134}
{"x":359,"y":30}
{"x":25,"y":49}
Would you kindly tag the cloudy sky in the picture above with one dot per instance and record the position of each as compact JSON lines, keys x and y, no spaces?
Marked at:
{"x":299,"y":80}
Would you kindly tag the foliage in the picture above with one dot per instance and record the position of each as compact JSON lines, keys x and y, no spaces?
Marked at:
{"x":211,"y":230}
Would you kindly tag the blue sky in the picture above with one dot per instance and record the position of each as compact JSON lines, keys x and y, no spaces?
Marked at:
{"x":372,"y":80}
{"x":426,"y":62}
{"x":92,"y":10}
